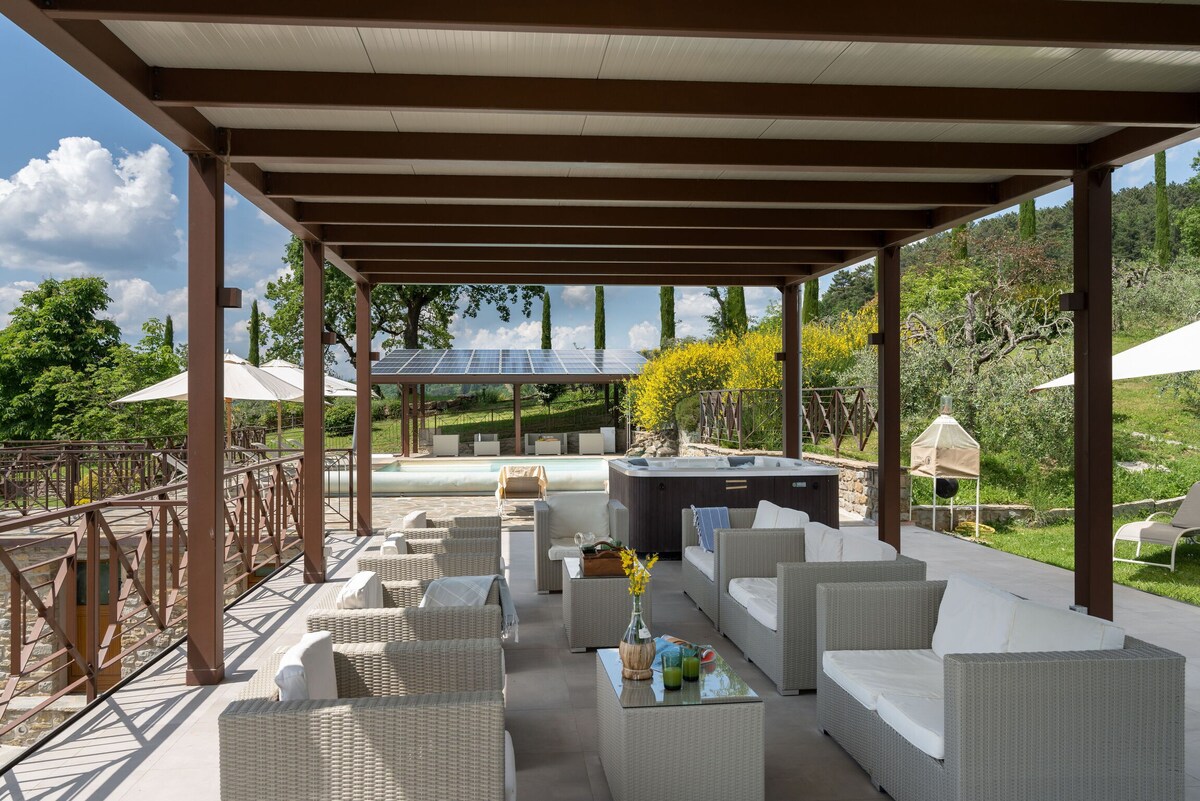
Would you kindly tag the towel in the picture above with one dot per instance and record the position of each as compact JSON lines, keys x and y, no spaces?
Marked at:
{"x":473,"y":591}
{"x":708,"y":520}
{"x":668,"y":643}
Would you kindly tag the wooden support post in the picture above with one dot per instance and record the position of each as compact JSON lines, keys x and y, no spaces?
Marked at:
{"x":518,"y":444}
{"x":404,"y":397}
{"x":793,"y":416}
{"x":888,"y":514}
{"x":314,"y":413}
{"x":422,"y":426}
{"x":362,"y":432}
{"x":1092,"y":303}
{"x":416,"y":419}
{"x":206,"y":440}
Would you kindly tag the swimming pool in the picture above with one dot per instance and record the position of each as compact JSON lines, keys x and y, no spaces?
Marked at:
{"x":466,"y":476}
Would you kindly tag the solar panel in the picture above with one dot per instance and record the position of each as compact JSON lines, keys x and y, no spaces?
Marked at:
{"x":491,"y":365}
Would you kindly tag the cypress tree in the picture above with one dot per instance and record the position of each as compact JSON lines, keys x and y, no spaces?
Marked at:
{"x":811,"y":307}
{"x":1027,"y":221}
{"x":169,"y":333}
{"x":735,"y":299}
{"x":598,"y":325}
{"x":1162,"y":210}
{"x":546,"y":344}
{"x":254,"y":356}
{"x":666,"y":313}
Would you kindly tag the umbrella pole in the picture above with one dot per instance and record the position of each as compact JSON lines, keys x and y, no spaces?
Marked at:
{"x":229,"y":422}
{"x":279,"y":426}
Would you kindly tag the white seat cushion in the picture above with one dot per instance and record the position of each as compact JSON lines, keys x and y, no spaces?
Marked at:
{"x":564,"y":549}
{"x":363,"y":591}
{"x":868,"y":674}
{"x":306,"y":670}
{"x":973,"y":618}
{"x":790,"y":518}
{"x":705,"y":561}
{"x":1038,"y":627}
{"x":574,"y":513}
{"x":865,"y":547}
{"x":815,"y":546}
{"x":921,"y":721}
{"x":510,"y":769}
{"x":760,"y":596}
{"x":766,"y":515}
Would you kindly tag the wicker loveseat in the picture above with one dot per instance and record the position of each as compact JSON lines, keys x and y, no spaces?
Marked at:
{"x":423,"y":566}
{"x":401,"y":619}
{"x":774,"y":618}
{"x":1009,"y":725}
{"x":557,"y":519}
{"x":419,"y":721}
{"x":701,"y":569}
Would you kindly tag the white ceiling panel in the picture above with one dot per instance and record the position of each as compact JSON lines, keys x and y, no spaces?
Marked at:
{"x":687,"y":59}
{"x":488,"y":122}
{"x":245,"y":47}
{"x":444,"y":52}
{"x":724,"y":127}
{"x":908,"y":177}
{"x":1034,"y":134}
{"x":857,"y":130}
{"x":1131,"y":70}
{"x":892,"y":64}
{"x":300,"y":119}
{"x":397,"y":168}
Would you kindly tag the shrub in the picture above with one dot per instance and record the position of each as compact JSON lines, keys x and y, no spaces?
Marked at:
{"x":339,"y":419}
{"x":675,"y":374}
{"x":687,"y":413}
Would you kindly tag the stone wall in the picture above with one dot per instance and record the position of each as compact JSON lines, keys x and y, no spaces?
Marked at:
{"x":655,"y":444}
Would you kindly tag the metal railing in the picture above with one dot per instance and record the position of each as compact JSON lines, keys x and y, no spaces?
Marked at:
{"x":95,"y":590}
{"x":752,"y":418}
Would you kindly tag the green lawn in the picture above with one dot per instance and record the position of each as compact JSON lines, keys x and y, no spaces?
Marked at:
{"x":1055,"y":545}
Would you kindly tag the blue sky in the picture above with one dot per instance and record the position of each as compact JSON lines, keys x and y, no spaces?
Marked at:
{"x":88,"y":188}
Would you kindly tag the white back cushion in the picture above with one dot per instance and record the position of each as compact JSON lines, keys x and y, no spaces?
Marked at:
{"x":790,"y":518}
{"x":306,"y":671}
{"x":364,"y":590}
{"x":865,"y":548}
{"x":814,"y":533}
{"x":765,"y":515}
{"x":974,"y":618}
{"x":829,"y":547}
{"x":413,"y":520}
{"x":1038,"y":627}
{"x":578,"y":512}
{"x":394,"y":545}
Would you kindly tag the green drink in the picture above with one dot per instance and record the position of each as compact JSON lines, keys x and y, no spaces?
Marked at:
{"x":691,"y":668}
{"x":672,"y":670}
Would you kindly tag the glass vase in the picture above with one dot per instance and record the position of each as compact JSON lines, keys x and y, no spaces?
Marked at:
{"x":637,"y":646}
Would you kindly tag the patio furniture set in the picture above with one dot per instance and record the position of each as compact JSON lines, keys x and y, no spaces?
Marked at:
{"x":591,"y":443}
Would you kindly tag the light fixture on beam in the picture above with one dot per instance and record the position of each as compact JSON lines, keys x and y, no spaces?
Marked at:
{"x":229,"y":297}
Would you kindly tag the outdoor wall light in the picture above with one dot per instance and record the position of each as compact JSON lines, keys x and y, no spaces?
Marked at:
{"x":229,"y":297}
{"x":328,"y":338}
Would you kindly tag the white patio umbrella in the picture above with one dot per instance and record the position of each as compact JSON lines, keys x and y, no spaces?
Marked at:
{"x":243,"y":381}
{"x":1176,"y":352}
{"x":294,"y":374}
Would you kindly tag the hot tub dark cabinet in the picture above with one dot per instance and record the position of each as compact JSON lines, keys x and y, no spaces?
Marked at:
{"x":656,"y":492}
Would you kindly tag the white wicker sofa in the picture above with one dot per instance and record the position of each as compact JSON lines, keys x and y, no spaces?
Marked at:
{"x":768,"y":597}
{"x":557,"y":519}
{"x":957,"y":690}
{"x":701,"y":568}
{"x":419,"y":721}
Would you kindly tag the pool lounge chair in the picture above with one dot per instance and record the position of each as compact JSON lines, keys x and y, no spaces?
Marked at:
{"x":520,"y":482}
{"x":1185,"y":523}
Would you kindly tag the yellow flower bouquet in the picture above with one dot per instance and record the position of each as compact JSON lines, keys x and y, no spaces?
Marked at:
{"x":637,"y":571}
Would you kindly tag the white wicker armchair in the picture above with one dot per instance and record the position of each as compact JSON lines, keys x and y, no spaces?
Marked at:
{"x":557,"y":519}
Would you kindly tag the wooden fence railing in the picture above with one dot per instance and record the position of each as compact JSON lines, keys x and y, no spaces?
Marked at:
{"x":752,"y":418}
{"x":95,"y":590}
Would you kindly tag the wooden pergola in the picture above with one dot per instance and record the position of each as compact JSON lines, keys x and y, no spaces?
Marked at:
{"x":760,"y":144}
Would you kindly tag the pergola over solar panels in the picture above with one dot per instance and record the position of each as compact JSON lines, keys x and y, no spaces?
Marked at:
{"x":508,"y":366}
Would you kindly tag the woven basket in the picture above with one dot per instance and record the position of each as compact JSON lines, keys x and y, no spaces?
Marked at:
{"x":604,"y":563}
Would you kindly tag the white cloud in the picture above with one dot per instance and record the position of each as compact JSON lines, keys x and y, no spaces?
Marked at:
{"x":79,"y":209}
{"x":691,"y":306}
{"x":10,"y":296}
{"x":578,"y":295}
{"x":526,"y":334}
{"x":135,"y":300}
{"x":643,"y":335}
{"x":231,"y":200}
{"x":758,"y":298}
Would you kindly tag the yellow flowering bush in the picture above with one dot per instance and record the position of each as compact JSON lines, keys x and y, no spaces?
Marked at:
{"x":638,"y":573}
{"x":755,"y":366}
{"x":675,"y":374}
{"x":828,"y":349}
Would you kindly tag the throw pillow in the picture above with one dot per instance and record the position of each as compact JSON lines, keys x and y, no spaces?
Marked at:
{"x":306,"y":671}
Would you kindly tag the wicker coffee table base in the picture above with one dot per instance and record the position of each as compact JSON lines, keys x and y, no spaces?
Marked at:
{"x":596,"y":611}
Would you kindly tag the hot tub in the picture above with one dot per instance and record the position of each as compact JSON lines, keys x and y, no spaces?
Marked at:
{"x":656,"y":491}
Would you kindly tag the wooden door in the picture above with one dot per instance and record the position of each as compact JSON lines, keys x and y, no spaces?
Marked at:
{"x":112,"y":674}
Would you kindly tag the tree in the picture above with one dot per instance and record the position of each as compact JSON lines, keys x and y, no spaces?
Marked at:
{"x":53,"y":339}
{"x":811,"y":308}
{"x":666,"y":314}
{"x":254,"y":355}
{"x":958,"y":242}
{"x":1162,"y":211}
{"x":848,"y":291}
{"x":413,"y":316}
{"x":729,"y":318}
{"x":1027,"y":221}
{"x":598,"y":326}
{"x":547,"y":343}
{"x":169,"y":333}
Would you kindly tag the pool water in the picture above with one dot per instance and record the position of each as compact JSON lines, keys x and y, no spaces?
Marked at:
{"x":556,"y":464}
{"x":467,"y":476}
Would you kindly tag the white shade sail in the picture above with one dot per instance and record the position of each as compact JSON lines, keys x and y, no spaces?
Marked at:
{"x":1176,"y":352}
{"x":243,"y":381}
{"x":294,"y":374}
{"x":945,"y":450}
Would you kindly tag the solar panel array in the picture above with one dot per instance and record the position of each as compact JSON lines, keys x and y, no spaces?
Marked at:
{"x":487,"y":362}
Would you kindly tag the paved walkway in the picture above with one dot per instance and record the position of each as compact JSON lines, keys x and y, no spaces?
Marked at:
{"x":158,"y":738}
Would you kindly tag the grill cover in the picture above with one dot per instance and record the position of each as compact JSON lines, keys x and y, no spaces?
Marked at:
{"x":945,"y":450}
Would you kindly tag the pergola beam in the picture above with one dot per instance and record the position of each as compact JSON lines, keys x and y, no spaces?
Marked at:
{"x":715,"y":272}
{"x":645,"y":190}
{"x":1032,"y":23}
{"x":223,"y":88}
{"x":737,"y":258}
{"x":566,"y":279}
{"x":383,"y":148}
{"x":622,"y":217}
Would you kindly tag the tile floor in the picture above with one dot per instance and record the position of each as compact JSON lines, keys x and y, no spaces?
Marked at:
{"x":157,"y":738}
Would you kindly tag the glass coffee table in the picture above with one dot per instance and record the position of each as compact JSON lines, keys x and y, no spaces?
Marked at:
{"x":596,"y":609}
{"x":703,"y":742}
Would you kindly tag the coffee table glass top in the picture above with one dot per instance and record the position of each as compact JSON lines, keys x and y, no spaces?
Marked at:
{"x":574,"y":568}
{"x":718,"y":684}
